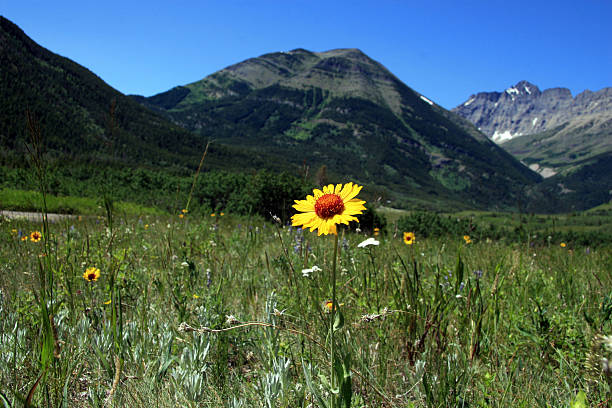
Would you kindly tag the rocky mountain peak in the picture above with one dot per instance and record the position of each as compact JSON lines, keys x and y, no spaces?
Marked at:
{"x":523,"y":109}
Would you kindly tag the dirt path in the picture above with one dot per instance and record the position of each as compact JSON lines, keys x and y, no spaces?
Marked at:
{"x":34,"y":216}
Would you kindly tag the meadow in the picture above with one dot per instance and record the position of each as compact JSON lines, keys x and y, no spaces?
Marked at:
{"x":226,"y":310}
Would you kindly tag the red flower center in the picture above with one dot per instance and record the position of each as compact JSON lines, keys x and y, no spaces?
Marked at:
{"x":329,"y":205}
{"x":91,"y":276}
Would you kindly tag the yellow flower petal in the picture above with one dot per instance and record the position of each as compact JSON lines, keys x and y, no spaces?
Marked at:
{"x":304,"y":205}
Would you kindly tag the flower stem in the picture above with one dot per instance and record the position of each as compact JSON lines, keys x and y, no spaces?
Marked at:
{"x":332,"y":319}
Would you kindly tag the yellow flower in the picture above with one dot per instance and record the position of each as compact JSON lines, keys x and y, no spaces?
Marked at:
{"x":328,"y":305}
{"x":324,"y":209}
{"x":213,"y":215}
{"x":195,"y":296}
{"x":24,"y":238}
{"x":108,"y":302}
{"x":184,"y":211}
{"x":222,"y":214}
{"x":35,"y":236}
{"x":467,"y":239}
{"x":181,"y":215}
{"x":146,"y":226}
{"x":563,"y":245}
{"x":409,"y":238}
{"x":376,"y":231}
{"x":91,"y":274}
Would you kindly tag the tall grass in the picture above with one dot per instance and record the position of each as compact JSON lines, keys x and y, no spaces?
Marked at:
{"x":439,"y":323}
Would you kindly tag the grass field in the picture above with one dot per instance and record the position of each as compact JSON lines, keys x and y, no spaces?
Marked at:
{"x":222,"y":311}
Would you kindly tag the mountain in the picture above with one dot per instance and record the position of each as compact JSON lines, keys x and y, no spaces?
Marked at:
{"x":345,"y":111}
{"x":523,"y":109}
{"x":84,"y":120}
{"x":567,"y":140}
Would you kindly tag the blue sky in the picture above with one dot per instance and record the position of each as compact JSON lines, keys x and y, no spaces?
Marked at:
{"x":446,"y":50}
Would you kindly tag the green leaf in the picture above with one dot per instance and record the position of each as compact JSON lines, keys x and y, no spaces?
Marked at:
{"x":459,"y":269}
{"x":580,"y":400}
{"x":338,"y":320}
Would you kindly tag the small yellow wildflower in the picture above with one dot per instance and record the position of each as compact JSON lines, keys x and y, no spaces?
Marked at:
{"x":35,"y":236}
{"x":181,"y":215}
{"x":563,"y":245}
{"x":222,"y":214}
{"x":213,"y":215}
{"x":108,"y":302}
{"x":376,"y":231}
{"x":91,"y":274}
{"x":24,"y":238}
{"x":409,"y":238}
{"x":195,"y":296}
{"x":467,"y":239}
{"x":184,"y":211}
{"x":328,"y":304}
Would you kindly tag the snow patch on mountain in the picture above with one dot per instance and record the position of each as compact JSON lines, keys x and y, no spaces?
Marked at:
{"x":469,"y":102}
{"x":500,"y":137}
{"x":426,"y":100}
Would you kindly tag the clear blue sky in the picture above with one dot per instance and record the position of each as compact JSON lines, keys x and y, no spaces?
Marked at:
{"x":446,"y":50}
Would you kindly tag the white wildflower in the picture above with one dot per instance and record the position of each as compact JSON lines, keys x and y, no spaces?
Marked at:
{"x":367,"y":242}
{"x":306,"y":272}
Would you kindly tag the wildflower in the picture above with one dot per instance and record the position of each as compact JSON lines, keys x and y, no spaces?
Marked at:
{"x":222,"y":214}
{"x":195,"y":296}
{"x":184,"y":211}
{"x":213,"y":215}
{"x":563,"y":245}
{"x":24,"y":238}
{"x":14,"y":231}
{"x":329,"y":304}
{"x":108,"y":302}
{"x":306,"y":272}
{"x":370,"y":317}
{"x":184,"y":264}
{"x":376,"y":231}
{"x":324,"y":209}
{"x":146,"y":226}
{"x":467,"y":239}
{"x":35,"y":236}
{"x":478,"y":274}
{"x":231,"y":319}
{"x":275,"y":218}
{"x":367,"y":242}
{"x":91,"y":274}
{"x":181,"y":215}
{"x":409,"y":238}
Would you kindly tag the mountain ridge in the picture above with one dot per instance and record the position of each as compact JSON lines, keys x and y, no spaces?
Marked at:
{"x":524,"y":109}
{"x":317,"y":106}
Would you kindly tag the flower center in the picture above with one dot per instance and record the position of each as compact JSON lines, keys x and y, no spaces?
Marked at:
{"x":91,"y":276}
{"x":329,"y":205}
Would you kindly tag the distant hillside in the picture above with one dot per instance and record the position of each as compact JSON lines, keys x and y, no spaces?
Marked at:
{"x":74,"y":106}
{"x":346,"y":111}
{"x":567,"y":140}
